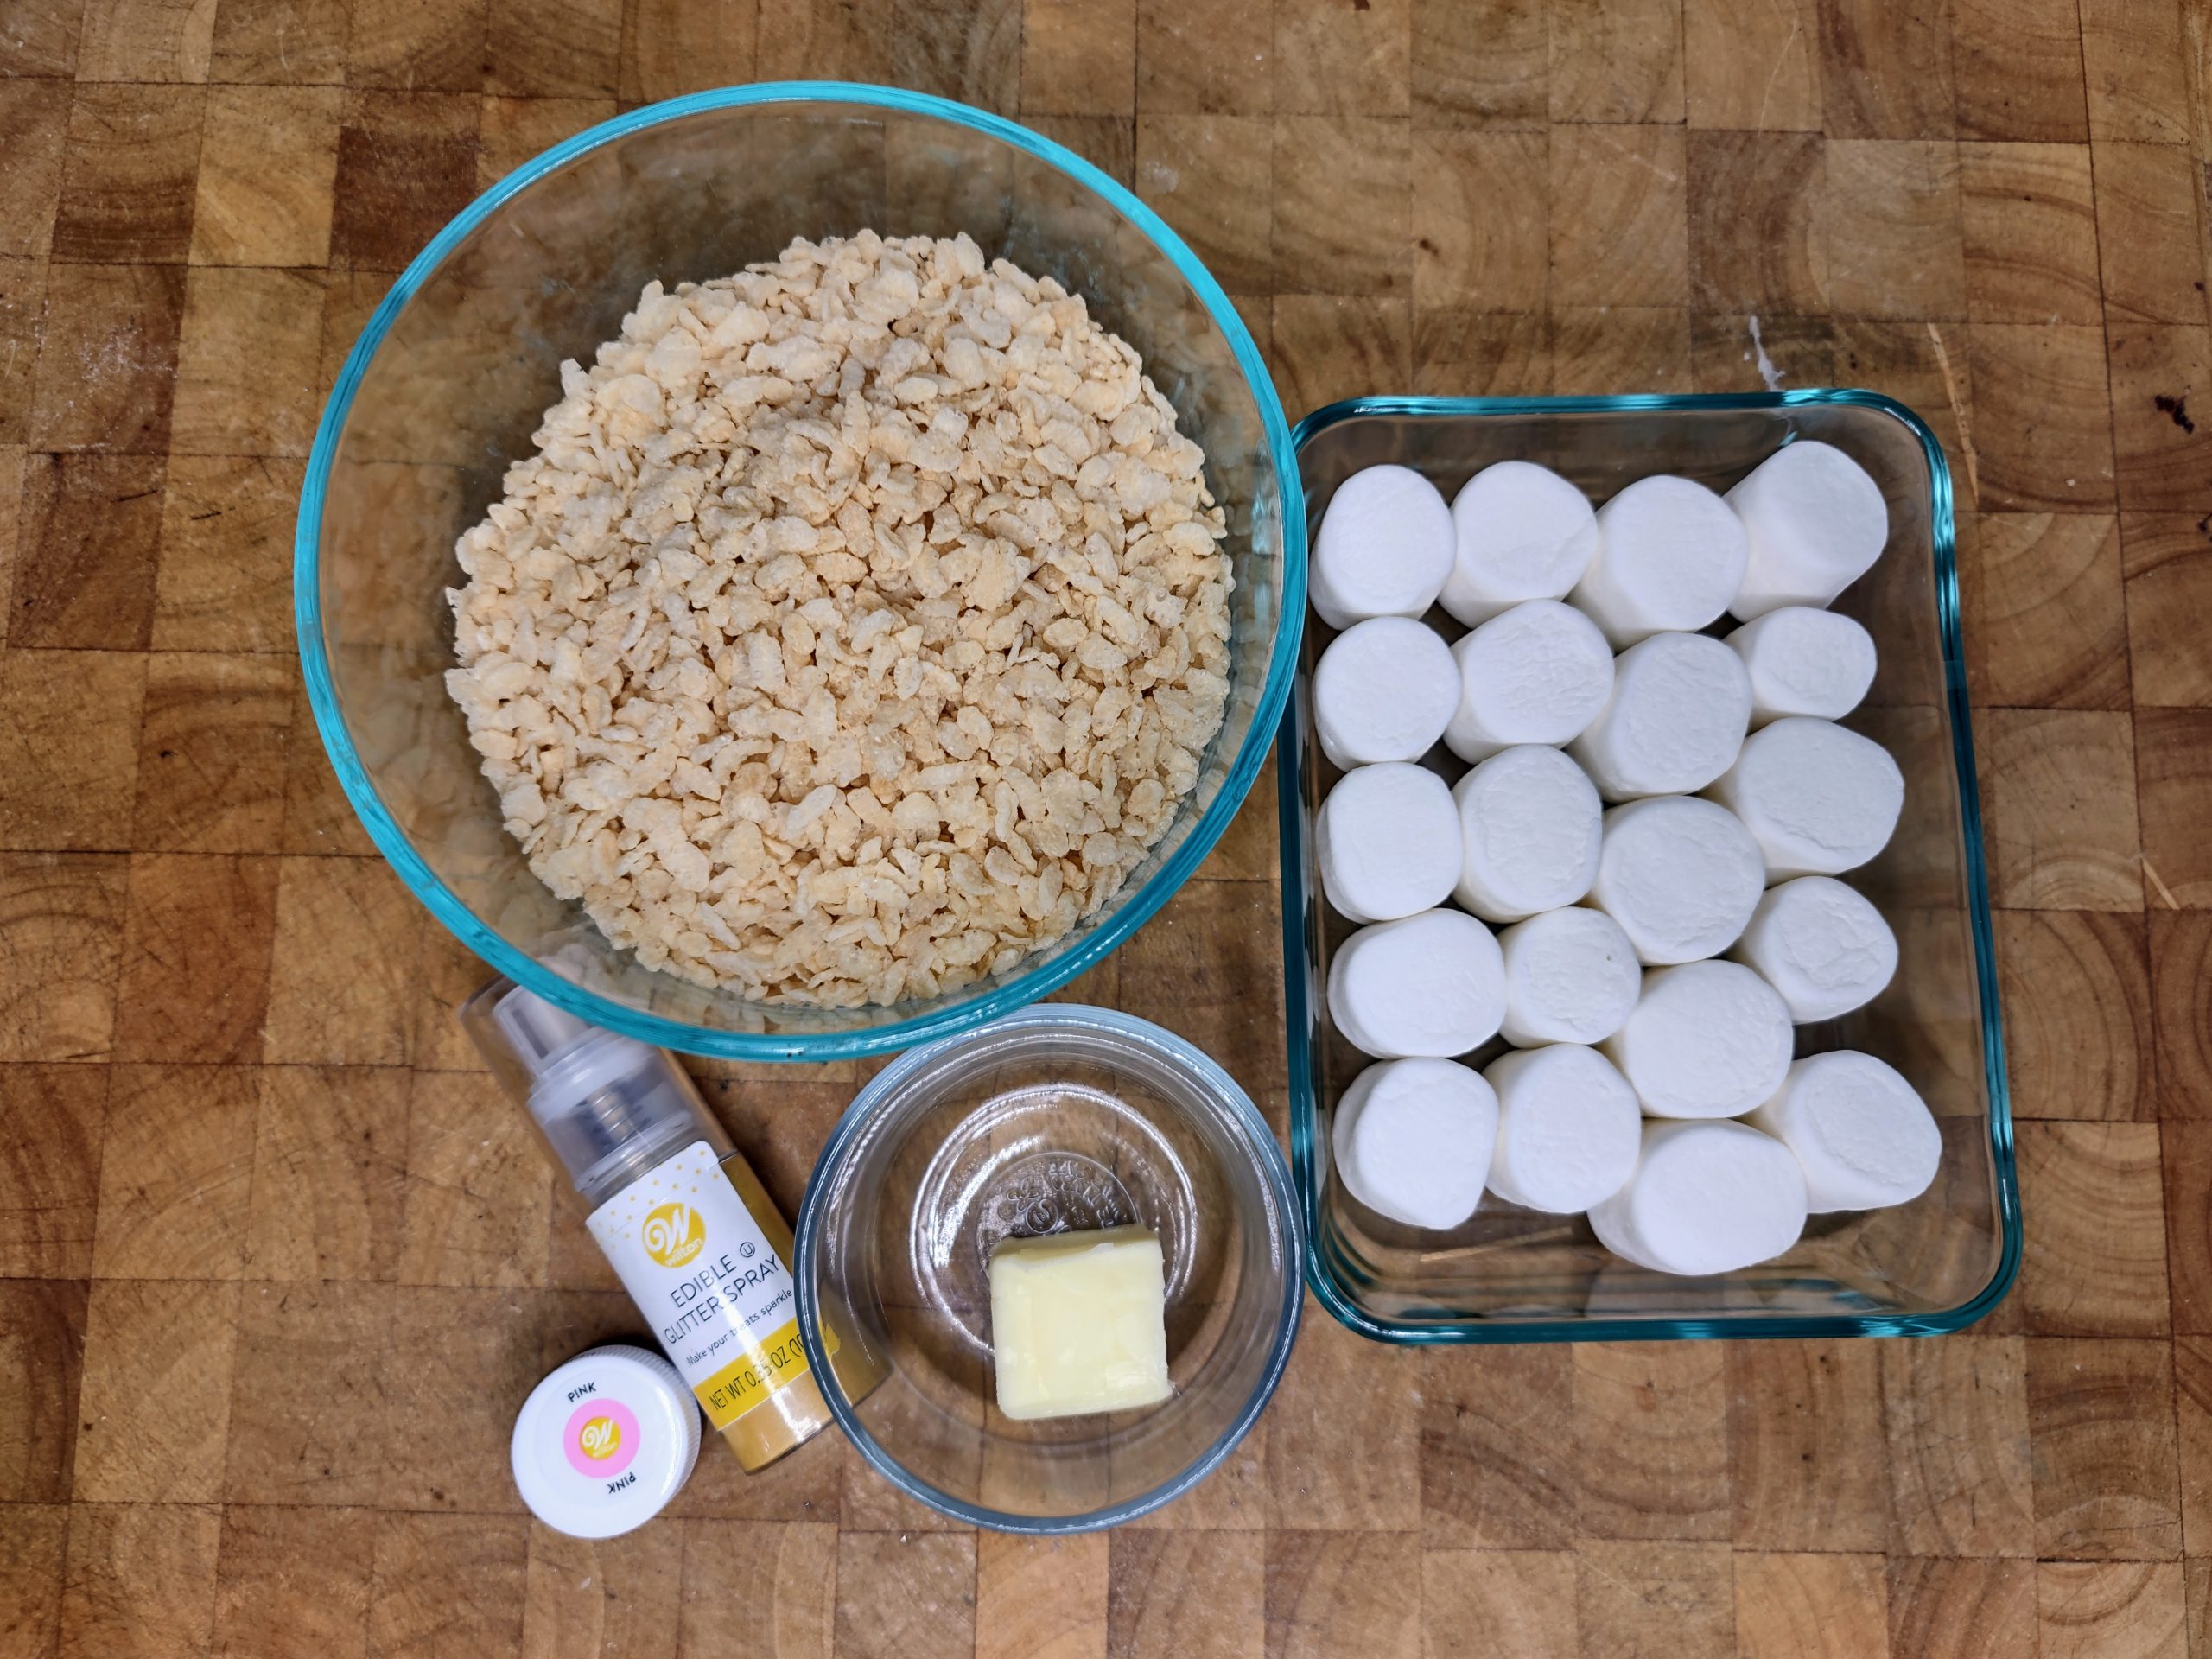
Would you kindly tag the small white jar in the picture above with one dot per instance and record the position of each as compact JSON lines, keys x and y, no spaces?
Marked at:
{"x":605,"y":1442}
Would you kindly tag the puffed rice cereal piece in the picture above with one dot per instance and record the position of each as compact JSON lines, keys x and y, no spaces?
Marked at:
{"x":855,"y":628}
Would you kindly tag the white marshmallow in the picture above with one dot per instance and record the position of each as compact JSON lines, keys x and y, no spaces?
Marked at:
{"x":1818,"y":800}
{"x":1822,"y":947}
{"x":1412,"y":1141}
{"x":1571,"y":976}
{"x":1524,"y":533}
{"x":1815,"y":523}
{"x":1432,"y":984}
{"x":1384,"y":548}
{"x":1681,"y":876}
{"x":1680,"y":707}
{"x":1387,"y":840}
{"x":1705,"y":1039}
{"x":1383,"y":691}
{"x":1864,"y":1135}
{"x":1804,"y":662}
{"x":1670,"y":555}
{"x":1568,"y":1128}
{"x":1538,"y":673}
{"x":1706,"y":1199}
{"x":1529,"y":831}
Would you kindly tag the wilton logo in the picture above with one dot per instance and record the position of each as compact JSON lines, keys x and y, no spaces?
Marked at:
{"x":673,"y":1234}
{"x":602,"y":1437}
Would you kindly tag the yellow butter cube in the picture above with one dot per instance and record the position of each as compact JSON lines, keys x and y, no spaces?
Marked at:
{"x":1079,"y":1322}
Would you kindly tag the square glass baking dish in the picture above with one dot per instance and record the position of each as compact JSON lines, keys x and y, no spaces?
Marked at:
{"x":1513,"y":1276}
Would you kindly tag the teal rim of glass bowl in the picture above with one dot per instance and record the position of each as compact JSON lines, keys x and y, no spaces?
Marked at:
{"x":1209,"y":1076}
{"x":462,"y":922}
{"x":1322,"y":1270}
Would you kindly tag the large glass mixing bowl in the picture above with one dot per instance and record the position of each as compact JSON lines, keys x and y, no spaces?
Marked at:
{"x":459,"y":364}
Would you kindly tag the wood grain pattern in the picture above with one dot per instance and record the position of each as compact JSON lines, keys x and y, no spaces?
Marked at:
{"x":1040,"y":1597}
{"x":1174,"y":1592}
{"x":131,"y":155}
{"x":41,"y":1357}
{"x":69,"y":748}
{"x":1496,"y":1470}
{"x":1207,"y":176}
{"x":1894,"y":222}
{"x":1752,"y":66}
{"x":1811,"y":1606}
{"x":2180,"y":949}
{"x":196,"y":951}
{"x":268,"y":166}
{"x":901,"y":1595}
{"x":329,"y":1174}
{"x":2135,"y":67}
{"x":447,"y":1583}
{"x":2050,"y":610}
{"x":1973,"y":1609}
{"x":1956,"y":1414}
{"x":2177,"y":785}
{"x":213,"y":730}
{"x":115,"y":328}
{"x":2061,"y":803}
{"x":1332,"y":1593}
{"x":294,"y":1581}
{"x":139,"y":1580}
{"x":154,"y":1404}
{"x":1883,"y":76}
{"x":1479,"y":1602}
{"x":1760,"y":233}
{"x":2167,"y":594}
{"x":1796,"y":1415}
{"x":1485,"y":64}
{"x":2158,"y":461}
{"x":263,"y":1218}
{"x":2044,"y":432}
{"x":2185,"y":1156}
{"x":2085,"y":1609}
{"x":53,"y":1122}
{"x":1465,"y":254}
{"x":1619,"y":212}
{"x":95,"y":519}
{"x":60,"y":922}
{"x":1652,"y":1441}
{"x":1657,"y":1600}
{"x":32,"y":1555}
{"x":1330,"y":1467}
{"x":2019,"y":70}
{"x":2106,"y":1407}
{"x":2096,"y":1260}
{"x":2076,"y":989}
{"x":2028,"y":223}
{"x":175,"y":1172}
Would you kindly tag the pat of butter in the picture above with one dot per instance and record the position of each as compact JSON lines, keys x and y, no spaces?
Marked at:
{"x":1079,"y":1322}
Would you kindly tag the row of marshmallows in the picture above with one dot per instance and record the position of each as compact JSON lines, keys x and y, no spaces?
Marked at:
{"x":1580,"y":834}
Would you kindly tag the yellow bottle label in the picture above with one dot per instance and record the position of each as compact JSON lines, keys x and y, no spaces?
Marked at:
{"x":720,"y":1295}
{"x":750,"y":1378}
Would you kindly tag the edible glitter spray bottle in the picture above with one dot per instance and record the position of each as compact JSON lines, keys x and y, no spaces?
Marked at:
{"x":681,"y":1216}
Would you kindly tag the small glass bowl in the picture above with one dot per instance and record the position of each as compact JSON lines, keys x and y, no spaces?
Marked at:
{"x":1058,"y":1118}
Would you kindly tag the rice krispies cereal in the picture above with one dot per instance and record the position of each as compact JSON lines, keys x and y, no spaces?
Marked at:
{"x":855,"y":628}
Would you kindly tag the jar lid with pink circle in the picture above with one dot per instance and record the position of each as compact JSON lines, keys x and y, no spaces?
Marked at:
{"x":605,"y":1442}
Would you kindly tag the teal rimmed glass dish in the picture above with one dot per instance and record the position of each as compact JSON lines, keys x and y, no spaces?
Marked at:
{"x":1513,"y":1275}
{"x":457,"y":366}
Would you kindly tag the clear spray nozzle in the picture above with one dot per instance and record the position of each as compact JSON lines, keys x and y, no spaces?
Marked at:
{"x":609,"y":1107}
{"x":536,"y":1031}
